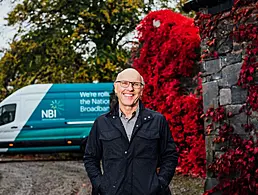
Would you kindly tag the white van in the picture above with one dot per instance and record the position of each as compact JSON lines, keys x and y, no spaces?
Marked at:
{"x":51,"y":117}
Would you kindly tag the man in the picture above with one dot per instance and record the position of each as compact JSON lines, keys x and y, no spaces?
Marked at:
{"x":132,"y":142}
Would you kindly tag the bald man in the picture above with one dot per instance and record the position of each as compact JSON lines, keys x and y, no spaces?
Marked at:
{"x":132,"y":142}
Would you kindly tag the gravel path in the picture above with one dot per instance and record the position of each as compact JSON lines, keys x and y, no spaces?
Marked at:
{"x":65,"y":178}
{"x":44,"y":178}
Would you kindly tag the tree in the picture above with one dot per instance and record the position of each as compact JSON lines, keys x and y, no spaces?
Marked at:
{"x":69,"y":40}
{"x":179,"y":8}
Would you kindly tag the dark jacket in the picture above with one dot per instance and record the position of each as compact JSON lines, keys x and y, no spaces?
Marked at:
{"x":129,"y":168}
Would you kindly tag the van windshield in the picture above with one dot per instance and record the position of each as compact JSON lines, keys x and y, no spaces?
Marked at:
{"x":7,"y":113}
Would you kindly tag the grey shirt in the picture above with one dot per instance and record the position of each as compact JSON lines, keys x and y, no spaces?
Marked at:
{"x":129,"y":122}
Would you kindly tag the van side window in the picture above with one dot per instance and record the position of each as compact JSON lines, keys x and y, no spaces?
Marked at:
{"x":7,"y":113}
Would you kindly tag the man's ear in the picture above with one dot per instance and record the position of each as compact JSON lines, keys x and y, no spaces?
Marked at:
{"x":115,"y":88}
{"x":141,"y":93}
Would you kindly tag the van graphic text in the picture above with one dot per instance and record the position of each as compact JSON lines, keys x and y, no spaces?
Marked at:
{"x":94,"y":101}
{"x":94,"y":94}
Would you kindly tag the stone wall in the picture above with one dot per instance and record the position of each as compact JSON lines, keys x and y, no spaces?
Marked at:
{"x":220,"y":76}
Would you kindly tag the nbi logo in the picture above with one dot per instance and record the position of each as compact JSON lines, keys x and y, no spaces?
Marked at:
{"x":56,"y":109}
{"x":48,"y":113}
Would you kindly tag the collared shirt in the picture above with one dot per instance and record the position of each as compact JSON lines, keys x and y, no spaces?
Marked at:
{"x":129,"y":122}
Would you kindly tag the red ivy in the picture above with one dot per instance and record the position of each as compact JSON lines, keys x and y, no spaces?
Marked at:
{"x":236,"y":169}
{"x":168,"y":54}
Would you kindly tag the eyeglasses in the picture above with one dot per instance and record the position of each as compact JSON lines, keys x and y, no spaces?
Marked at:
{"x":125,"y":84}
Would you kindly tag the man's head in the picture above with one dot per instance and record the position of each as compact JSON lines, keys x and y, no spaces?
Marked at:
{"x":129,"y":87}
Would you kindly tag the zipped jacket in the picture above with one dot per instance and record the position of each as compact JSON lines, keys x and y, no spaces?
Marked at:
{"x":130,"y":167}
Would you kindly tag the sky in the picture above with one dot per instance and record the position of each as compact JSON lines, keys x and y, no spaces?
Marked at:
{"x":6,"y":32}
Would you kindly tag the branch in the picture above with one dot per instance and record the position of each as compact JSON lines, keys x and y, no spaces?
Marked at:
{"x":133,"y":42}
{"x":123,"y":35}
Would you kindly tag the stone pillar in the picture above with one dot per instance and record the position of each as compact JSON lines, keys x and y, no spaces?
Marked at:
{"x":220,"y":75}
{"x":220,"y":88}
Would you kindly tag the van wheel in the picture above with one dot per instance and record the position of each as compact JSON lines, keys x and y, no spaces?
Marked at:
{"x":83,"y":144}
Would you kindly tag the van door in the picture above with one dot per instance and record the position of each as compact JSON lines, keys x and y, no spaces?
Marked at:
{"x":10,"y":125}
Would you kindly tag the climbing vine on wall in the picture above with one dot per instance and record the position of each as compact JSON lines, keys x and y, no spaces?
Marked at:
{"x":167,"y":60}
{"x":236,"y":169}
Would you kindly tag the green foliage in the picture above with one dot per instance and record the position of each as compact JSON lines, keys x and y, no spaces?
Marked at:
{"x":178,"y":8}
{"x":68,"y":41}
{"x":38,"y":61}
